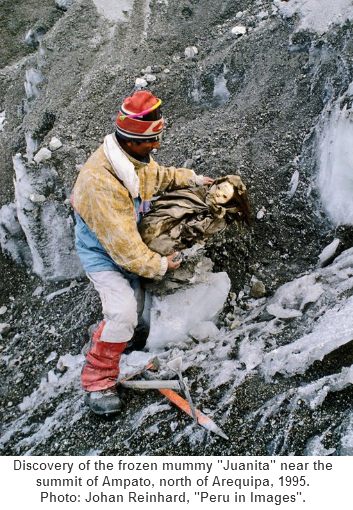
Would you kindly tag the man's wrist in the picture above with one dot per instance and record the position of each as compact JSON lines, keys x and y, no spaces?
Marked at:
{"x":164,"y":266}
{"x":199,"y":180}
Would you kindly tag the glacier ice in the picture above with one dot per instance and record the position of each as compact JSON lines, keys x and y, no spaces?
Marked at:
{"x":12,"y":238}
{"x":33,"y":78}
{"x":335,"y":160}
{"x":333,"y":329}
{"x":291,"y":298}
{"x":2,"y":120}
{"x":346,"y":446}
{"x":293,"y":184}
{"x":204,"y":331}
{"x":47,"y":225}
{"x":173,"y":316}
{"x":31,"y":146}
{"x":221,"y":93}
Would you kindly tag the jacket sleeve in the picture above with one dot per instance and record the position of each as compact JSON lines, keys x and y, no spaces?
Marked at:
{"x":170,"y":178}
{"x":110,"y":213}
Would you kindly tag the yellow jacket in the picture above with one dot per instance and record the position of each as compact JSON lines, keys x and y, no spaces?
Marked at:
{"x":107,"y":207}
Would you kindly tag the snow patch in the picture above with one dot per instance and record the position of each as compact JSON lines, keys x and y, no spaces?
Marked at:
{"x":113,"y":10}
{"x":69,"y":410}
{"x":52,"y":295}
{"x":317,"y":15}
{"x":151,"y":410}
{"x":315,"y":447}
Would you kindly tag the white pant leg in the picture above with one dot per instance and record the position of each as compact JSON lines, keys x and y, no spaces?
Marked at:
{"x":119,"y":305}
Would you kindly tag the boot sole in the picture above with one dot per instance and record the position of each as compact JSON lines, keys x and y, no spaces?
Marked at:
{"x":100,"y":412}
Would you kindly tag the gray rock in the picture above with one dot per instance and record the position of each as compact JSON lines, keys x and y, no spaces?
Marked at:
{"x":191,"y":51}
{"x":55,"y":143}
{"x":4,"y":328}
{"x":238,"y":30}
{"x":258,"y":290}
{"x":188,"y":163}
{"x":42,"y":155}
{"x":63,"y":4}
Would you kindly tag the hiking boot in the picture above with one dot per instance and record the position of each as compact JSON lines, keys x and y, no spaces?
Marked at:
{"x":104,"y":402}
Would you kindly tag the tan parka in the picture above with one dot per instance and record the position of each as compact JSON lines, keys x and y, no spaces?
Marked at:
{"x":107,"y":207}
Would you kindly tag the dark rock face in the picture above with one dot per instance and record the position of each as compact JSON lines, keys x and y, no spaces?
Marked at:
{"x":250,"y":104}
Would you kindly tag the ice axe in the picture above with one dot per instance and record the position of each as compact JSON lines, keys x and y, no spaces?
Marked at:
{"x":176,"y":399}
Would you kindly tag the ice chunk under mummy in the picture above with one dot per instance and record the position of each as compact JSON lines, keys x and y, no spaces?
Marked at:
{"x":173,"y":316}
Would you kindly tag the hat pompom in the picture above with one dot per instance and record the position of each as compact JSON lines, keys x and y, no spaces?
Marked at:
{"x":139,"y":128}
{"x":140,"y":101}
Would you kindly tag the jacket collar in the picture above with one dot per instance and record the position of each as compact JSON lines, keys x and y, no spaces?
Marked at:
{"x":123,"y":165}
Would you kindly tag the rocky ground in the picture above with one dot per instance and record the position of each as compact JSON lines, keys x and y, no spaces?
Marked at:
{"x":244,"y":103}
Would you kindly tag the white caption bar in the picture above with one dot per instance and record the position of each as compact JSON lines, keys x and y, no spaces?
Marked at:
{"x":144,"y":482}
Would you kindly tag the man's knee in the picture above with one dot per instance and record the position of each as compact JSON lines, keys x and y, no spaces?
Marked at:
{"x":120,"y":307}
{"x":118,"y":331}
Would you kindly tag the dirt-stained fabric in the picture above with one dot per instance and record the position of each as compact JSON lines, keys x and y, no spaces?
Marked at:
{"x":182,"y":218}
{"x":107,"y":207}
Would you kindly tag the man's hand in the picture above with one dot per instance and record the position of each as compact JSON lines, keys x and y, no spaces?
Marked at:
{"x":207,"y":180}
{"x":174,"y":264}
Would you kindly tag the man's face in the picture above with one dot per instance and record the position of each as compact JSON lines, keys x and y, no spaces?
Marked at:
{"x":141,"y":149}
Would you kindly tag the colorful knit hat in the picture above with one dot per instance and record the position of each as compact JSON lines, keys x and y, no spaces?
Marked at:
{"x":140,"y":118}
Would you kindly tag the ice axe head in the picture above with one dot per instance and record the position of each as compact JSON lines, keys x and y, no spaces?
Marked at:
{"x":175,"y":365}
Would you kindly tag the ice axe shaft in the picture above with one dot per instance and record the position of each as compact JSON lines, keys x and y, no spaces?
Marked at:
{"x":175,"y":365}
{"x":156,"y":384}
{"x":201,"y":418}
